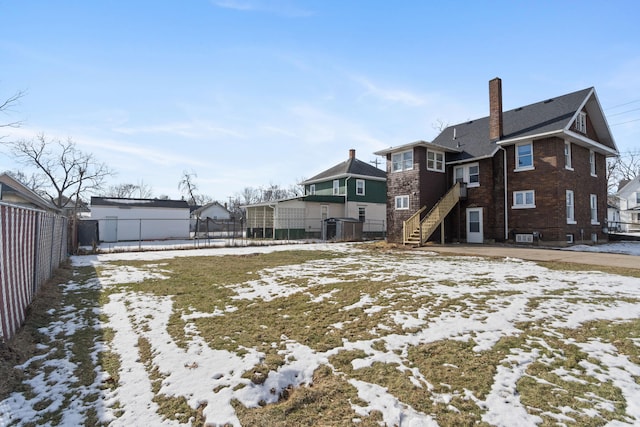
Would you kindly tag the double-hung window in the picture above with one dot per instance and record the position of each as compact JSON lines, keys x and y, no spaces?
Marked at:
{"x":402,"y":202}
{"x":312,"y":189}
{"x":571,"y":218}
{"x":581,"y":122}
{"x":524,"y":156}
{"x":435,"y":161}
{"x":402,"y":161}
{"x":593,"y":204}
{"x":524,"y":199}
{"x":469,"y":174}
{"x":592,"y":162}
{"x":360,"y":187}
{"x":567,"y":155}
{"x":336,"y":187}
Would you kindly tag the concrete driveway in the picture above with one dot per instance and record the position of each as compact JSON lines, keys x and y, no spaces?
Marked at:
{"x":536,"y":254}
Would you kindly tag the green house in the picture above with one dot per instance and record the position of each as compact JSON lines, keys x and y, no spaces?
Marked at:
{"x":351,"y":189}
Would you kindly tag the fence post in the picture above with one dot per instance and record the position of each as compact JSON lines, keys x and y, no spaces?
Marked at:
{"x":140,"y":234}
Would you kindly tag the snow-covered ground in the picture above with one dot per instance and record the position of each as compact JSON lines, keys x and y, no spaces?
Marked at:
{"x":629,"y":248}
{"x":202,"y":374}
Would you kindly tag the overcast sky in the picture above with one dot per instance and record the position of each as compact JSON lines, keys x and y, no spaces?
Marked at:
{"x":247,"y":93}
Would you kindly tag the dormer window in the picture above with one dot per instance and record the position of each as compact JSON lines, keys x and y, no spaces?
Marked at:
{"x":581,"y":122}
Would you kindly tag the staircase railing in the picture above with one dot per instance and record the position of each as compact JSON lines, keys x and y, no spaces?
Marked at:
{"x":412,"y":224}
{"x":428,"y":225}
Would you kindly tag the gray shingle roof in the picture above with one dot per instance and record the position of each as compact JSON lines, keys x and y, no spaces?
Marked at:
{"x":352,"y":166}
{"x":551,"y":115}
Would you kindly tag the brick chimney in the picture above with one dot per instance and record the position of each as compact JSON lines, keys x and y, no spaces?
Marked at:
{"x":495,"y":109}
{"x":352,"y":153}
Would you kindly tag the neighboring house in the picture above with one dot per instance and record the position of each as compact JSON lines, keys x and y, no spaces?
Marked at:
{"x":16,"y":193}
{"x":123,"y":219}
{"x":351,"y":189}
{"x":613,"y":214}
{"x":629,"y":206}
{"x":534,"y":173}
{"x":209,"y":218}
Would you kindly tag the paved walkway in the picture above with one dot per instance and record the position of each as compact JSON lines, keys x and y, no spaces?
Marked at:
{"x":536,"y":254}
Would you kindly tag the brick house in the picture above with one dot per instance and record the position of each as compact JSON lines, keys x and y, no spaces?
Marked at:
{"x":536,"y":173}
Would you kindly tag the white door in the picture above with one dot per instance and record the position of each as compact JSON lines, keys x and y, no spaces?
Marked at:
{"x":110,"y":229}
{"x":474,"y":225}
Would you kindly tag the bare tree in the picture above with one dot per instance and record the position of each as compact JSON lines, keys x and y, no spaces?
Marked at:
{"x":188,"y":186}
{"x":127,"y":190}
{"x":68,"y":172}
{"x":622,"y":169}
{"x":439,"y":125}
{"x":5,"y":108}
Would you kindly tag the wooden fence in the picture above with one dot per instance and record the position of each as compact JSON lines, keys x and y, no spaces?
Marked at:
{"x":33,"y":243}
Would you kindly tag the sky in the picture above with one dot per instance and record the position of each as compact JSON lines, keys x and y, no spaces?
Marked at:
{"x":524,"y":291}
{"x":249,"y":93}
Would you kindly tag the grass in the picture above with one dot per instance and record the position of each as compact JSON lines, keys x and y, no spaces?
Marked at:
{"x":359,"y":300}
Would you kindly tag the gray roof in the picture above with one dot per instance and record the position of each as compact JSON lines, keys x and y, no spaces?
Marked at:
{"x":9,"y":184}
{"x":350,"y":167}
{"x":553,"y":115}
{"x":139,"y":203}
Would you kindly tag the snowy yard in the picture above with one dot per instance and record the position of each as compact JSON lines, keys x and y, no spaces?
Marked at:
{"x":333,"y":334}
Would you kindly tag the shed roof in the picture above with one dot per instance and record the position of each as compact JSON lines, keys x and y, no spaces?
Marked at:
{"x":139,"y":203}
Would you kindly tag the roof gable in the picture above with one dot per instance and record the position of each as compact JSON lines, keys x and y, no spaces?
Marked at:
{"x":548,"y":117}
{"x":350,"y":167}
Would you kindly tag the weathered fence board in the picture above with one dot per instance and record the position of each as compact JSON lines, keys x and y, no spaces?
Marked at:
{"x":32,"y":245}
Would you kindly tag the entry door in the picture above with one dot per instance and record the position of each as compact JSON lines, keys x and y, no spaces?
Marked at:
{"x":474,"y":225}
{"x":110,"y":229}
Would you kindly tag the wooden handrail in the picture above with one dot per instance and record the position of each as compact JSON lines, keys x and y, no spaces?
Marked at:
{"x":434,"y":217}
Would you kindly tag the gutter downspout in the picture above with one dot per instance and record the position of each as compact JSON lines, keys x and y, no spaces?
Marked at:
{"x":506,"y":209}
{"x":346,"y":196}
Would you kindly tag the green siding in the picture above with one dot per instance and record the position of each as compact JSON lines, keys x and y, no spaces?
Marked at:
{"x":374,"y":191}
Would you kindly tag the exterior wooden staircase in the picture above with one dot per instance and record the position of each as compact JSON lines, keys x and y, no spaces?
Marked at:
{"x":416,"y":231}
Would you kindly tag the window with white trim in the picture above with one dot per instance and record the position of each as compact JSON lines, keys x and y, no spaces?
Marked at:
{"x":567,"y":155}
{"x":524,"y":156}
{"x":593,"y":204}
{"x":571,"y":218}
{"x":361,"y":213}
{"x":469,"y":174}
{"x":336,"y":187}
{"x":312,"y":189}
{"x":524,"y":199}
{"x":360,"y":187}
{"x":581,"y":122}
{"x":435,"y":161}
{"x":592,"y":162}
{"x":402,"y":202}
{"x":402,"y":161}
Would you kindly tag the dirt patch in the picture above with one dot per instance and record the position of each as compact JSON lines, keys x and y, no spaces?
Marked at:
{"x":23,"y":345}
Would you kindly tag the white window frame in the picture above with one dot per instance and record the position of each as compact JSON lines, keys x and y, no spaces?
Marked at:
{"x":567,"y":156}
{"x":592,"y":163}
{"x":402,"y":203}
{"x":312,"y":189}
{"x":525,"y":167}
{"x":402,"y":161}
{"x":435,"y":161}
{"x":571,"y":208}
{"x":465,"y":171}
{"x":593,"y":205}
{"x":336,"y":187}
{"x":581,"y":122}
{"x":360,"y":187}
{"x":362,"y":212}
{"x":520,"y":199}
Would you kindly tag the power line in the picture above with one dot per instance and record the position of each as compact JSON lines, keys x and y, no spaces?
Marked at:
{"x":630,"y":121}
{"x":622,"y":105}
{"x":623,"y":112}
